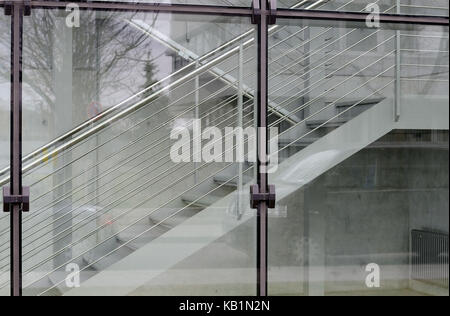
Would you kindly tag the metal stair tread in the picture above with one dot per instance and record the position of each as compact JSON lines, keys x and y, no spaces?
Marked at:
{"x":205,"y":201}
{"x":333,"y":123}
{"x":230,"y":179}
{"x":301,"y":142}
{"x":112,"y":258}
{"x":147,"y":236}
{"x":171,"y":222}
{"x":348,"y":103}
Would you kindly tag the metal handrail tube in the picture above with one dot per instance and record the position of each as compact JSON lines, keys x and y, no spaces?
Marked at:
{"x":425,"y":80}
{"x":424,"y":36}
{"x":424,"y":7}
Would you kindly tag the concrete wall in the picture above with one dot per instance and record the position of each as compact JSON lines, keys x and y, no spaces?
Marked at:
{"x":360,"y":212}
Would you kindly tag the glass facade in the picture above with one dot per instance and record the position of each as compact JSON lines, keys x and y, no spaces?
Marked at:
{"x":144,"y":144}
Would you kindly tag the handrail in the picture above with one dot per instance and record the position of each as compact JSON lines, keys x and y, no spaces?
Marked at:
{"x":79,"y":128}
{"x":123,"y":113}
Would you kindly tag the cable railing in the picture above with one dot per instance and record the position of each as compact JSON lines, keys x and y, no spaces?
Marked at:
{"x":369,"y":66}
{"x":111,"y":110}
{"x":390,"y":68}
{"x":118,"y":135}
{"x":71,"y":134}
{"x":129,"y":145}
{"x":40,"y":211}
{"x":410,"y":7}
{"x":154,"y":180}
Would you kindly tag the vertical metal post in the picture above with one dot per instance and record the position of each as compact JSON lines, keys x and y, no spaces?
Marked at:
{"x":17,"y":12}
{"x":240,"y":123}
{"x":197,"y":112}
{"x":398,"y":80}
{"x":261,"y":180}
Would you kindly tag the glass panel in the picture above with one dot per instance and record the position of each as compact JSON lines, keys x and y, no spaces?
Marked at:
{"x":226,"y":3}
{"x":362,"y":197}
{"x":116,"y":202}
{"x":412,"y":7}
{"x":5,"y":94}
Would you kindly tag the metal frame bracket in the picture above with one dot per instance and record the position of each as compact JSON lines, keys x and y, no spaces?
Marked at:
{"x":26,"y":7}
{"x":256,"y":12}
{"x":9,"y":200}
{"x":7,"y":6}
{"x":256,"y":197}
{"x":271,"y":12}
{"x":272,"y":6}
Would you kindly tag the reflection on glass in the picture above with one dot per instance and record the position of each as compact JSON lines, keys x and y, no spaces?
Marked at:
{"x":227,"y":3}
{"x":408,"y":7}
{"x":5,"y":92}
{"x":107,"y":192}
{"x":365,"y":191}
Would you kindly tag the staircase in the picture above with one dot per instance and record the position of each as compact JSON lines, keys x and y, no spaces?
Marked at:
{"x":297,"y":171}
{"x":135,"y":210}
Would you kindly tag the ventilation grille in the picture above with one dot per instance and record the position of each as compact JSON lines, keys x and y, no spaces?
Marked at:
{"x":429,"y":257}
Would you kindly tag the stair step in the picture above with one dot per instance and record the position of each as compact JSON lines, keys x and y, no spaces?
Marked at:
{"x":304,"y":142}
{"x":116,"y":256}
{"x":334,"y":123}
{"x":146,"y":237}
{"x":348,"y":103}
{"x":225,"y":179}
{"x":203,"y":202}
{"x":173,"y":221}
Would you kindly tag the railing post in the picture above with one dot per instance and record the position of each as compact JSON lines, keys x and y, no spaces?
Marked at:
{"x":15,"y":197}
{"x":240,"y":123}
{"x":197,"y":112}
{"x":398,"y":79}
{"x":262,"y":196}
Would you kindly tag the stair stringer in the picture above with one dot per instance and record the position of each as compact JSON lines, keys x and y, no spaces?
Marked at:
{"x":212,"y":223}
